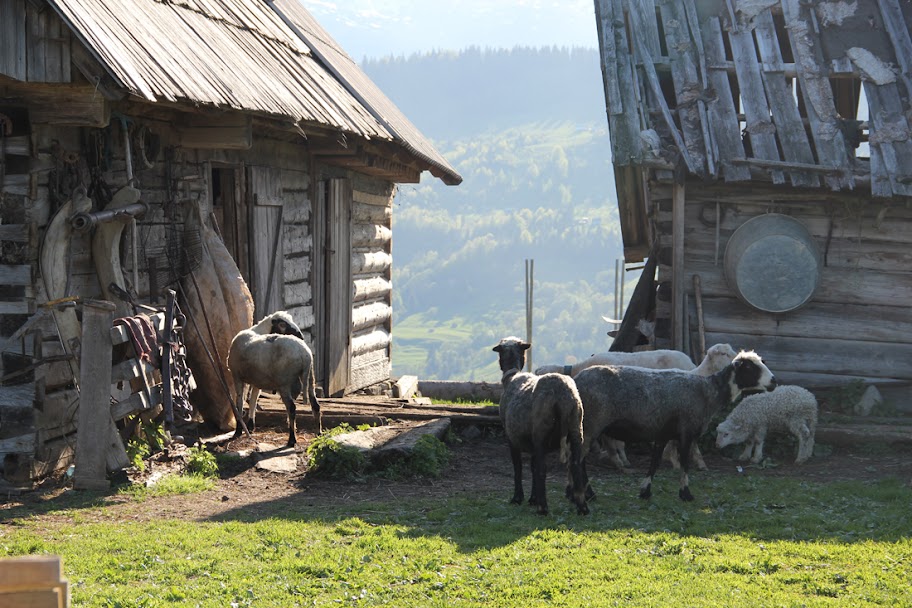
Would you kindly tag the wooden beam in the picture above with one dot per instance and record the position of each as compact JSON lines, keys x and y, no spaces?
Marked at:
{"x":677,"y":298}
{"x":230,"y":131}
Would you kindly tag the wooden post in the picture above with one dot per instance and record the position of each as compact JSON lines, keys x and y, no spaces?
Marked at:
{"x":530,"y":271}
{"x":95,"y":423}
{"x":677,"y":241}
{"x":698,"y":297}
{"x":622,"y":265}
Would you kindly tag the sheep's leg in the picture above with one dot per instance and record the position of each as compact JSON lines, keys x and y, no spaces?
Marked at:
{"x":291,"y":408}
{"x":516,"y":457}
{"x":655,"y":459}
{"x":698,"y":458}
{"x":239,"y":404}
{"x":314,"y":404}
{"x":805,"y":440}
{"x":252,"y":406}
{"x":684,"y":446}
{"x":759,"y":438}
{"x":575,"y":477}
{"x":539,"y":494}
{"x":748,"y":450}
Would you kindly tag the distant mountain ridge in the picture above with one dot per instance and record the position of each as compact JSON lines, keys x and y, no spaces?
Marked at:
{"x":452,"y":94}
{"x":527,"y":130}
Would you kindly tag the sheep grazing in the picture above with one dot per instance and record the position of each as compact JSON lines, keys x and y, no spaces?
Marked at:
{"x":788,"y":408}
{"x":633,"y":404}
{"x":540,"y":414}
{"x":282,"y":363}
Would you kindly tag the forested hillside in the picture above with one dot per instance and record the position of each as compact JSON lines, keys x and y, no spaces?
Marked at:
{"x":527,"y":131}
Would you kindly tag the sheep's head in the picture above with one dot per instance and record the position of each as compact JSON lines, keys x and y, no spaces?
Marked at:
{"x":512,"y":353}
{"x":719,"y":356}
{"x":282,"y":323}
{"x":729,"y":432}
{"x":750,"y":374}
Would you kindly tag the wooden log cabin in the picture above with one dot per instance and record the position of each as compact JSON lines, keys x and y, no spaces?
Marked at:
{"x":244,"y":111}
{"x":763,"y":166}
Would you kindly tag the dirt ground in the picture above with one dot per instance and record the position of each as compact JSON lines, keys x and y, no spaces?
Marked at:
{"x":479,"y":464}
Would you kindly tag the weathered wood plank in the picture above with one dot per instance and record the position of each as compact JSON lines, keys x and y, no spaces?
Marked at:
{"x":686,"y":51}
{"x":370,"y":235}
{"x":723,"y":116}
{"x":782,"y":103}
{"x":814,"y":355}
{"x":894,"y":21}
{"x":370,"y":287}
{"x":890,"y":135}
{"x":13,"y":40}
{"x":604,"y":18}
{"x":658,"y":96}
{"x":753,"y":98}
{"x":843,"y":287}
{"x":877,"y":323}
{"x":369,"y":315}
{"x":817,"y":92}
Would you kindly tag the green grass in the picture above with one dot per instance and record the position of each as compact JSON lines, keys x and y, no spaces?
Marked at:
{"x":745,"y":541}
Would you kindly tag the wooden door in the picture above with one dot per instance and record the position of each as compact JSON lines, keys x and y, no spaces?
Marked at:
{"x":266,"y":250}
{"x":337,"y":304}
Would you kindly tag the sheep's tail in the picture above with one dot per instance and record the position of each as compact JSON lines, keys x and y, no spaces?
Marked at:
{"x":571,"y":431}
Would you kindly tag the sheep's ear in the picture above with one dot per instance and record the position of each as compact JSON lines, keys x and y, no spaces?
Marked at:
{"x":498,"y":348}
{"x":525,"y":345}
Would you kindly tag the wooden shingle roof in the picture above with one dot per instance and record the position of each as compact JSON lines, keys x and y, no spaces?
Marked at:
{"x":247,"y":55}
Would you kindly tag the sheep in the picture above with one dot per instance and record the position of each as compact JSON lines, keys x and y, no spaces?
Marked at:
{"x":280,"y":322}
{"x":283,"y":363}
{"x":788,"y":408}
{"x":653,"y":359}
{"x":633,"y":404}
{"x":538,"y":414}
{"x":717,"y":357}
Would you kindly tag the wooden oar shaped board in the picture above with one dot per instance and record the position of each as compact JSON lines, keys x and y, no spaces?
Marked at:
{"x":54,"y":266}
{"x":54,"y":262}
{"x":106,"y":249}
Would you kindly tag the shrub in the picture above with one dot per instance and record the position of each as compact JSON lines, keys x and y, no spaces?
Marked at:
{"x":201,"y":461}
{"x":329,"y":458}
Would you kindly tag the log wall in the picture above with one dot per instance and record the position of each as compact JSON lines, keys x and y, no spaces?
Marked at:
{"x":372,"y":261}
{"x":858,"y":325}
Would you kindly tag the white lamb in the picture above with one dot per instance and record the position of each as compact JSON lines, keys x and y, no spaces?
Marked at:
{"x":788,"y":408}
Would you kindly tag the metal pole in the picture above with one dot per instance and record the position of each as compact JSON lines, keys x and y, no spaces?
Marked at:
{"x":530,"y":271}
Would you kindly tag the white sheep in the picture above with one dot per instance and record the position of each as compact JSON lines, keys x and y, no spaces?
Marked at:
{"x":540,"y":414}
{"x":634,"y":404}
{"x":283,"y":363}
{"x":788,"y":408}
{"x":651,"y":359}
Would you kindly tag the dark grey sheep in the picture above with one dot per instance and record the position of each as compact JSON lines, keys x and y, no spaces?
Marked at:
{"x":635,"y":404}
{"x":540,"y":414}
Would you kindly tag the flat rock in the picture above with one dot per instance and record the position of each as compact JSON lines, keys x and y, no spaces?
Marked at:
{"x":384,"y":442}
{"x":275,"y":459}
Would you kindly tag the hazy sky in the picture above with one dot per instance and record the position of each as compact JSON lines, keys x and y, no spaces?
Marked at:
{"x":377,"y":28}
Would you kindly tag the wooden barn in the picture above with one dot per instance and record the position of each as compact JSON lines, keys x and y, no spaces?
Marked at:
{"x":131,"y":132}
{"x":763,"y":166}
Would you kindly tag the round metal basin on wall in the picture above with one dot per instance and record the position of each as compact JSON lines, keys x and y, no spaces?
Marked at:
{"x":772,"y":263}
